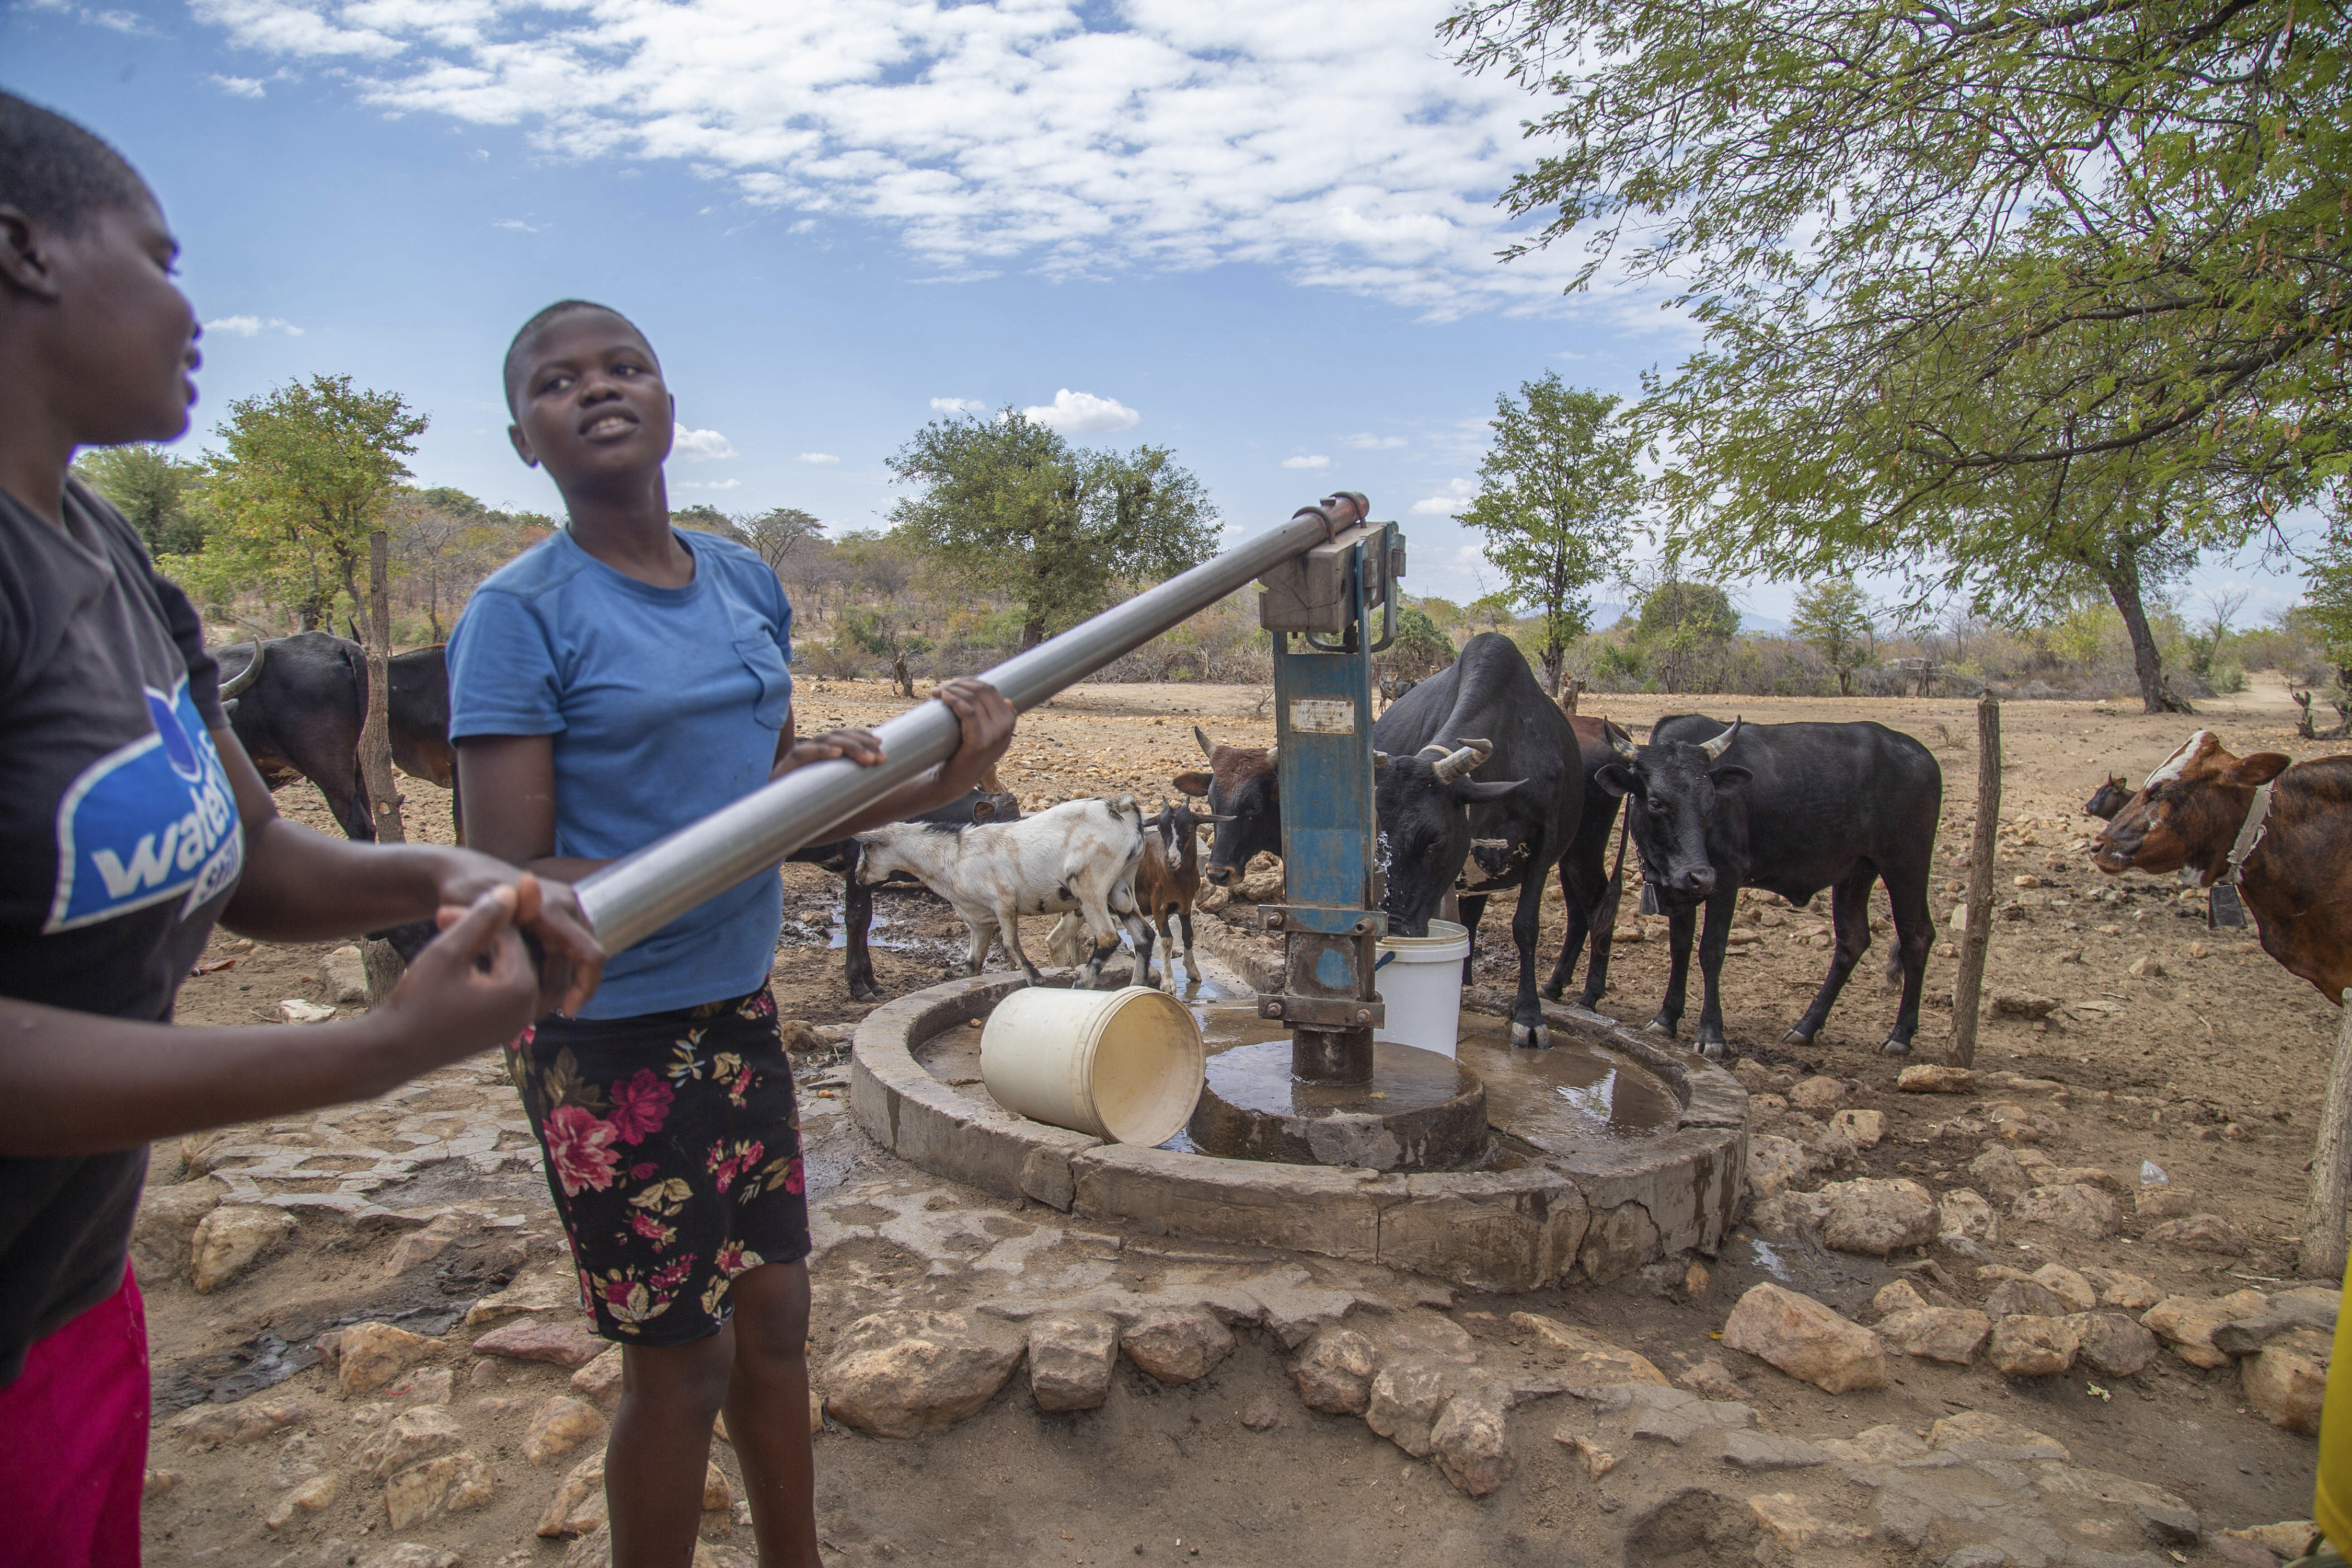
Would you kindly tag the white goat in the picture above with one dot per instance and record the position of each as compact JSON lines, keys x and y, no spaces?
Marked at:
{"x":1077,"y":857}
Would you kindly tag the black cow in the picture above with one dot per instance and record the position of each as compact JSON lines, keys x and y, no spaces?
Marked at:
{"x":1591,"y":887}
{"x":858,"y":897}
{"x":1483,"y":711}
{"x":1793,"y":808}
{"x":2108,"y":798}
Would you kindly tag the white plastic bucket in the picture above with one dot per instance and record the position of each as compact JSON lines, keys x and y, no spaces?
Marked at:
{"x":1419,"y":983}
{"x":1126,"y":1065}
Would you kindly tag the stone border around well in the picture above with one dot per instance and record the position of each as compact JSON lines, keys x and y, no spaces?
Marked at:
{"x":1589,"y":1216}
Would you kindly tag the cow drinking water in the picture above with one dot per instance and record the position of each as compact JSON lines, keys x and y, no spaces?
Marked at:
{"x":1792,"y":808}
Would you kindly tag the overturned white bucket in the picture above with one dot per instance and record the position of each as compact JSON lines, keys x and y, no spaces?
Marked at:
{"x":1125,"y":1065}
{"x":1420,"y":984}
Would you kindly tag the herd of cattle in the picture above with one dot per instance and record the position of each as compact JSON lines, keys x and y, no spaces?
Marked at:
{"x":1710,"y":809}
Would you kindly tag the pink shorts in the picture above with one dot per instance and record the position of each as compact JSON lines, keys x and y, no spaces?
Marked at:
{"x":73,"y":1442}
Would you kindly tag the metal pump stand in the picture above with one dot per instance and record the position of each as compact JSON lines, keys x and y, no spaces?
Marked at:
{"x":1318,"y":607}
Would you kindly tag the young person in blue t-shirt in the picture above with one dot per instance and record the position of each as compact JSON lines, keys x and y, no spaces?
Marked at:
{"x":610,"y":685}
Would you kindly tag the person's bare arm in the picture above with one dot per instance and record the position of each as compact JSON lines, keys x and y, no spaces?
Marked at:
{"x":80,"y":1083}
{"x":986,"y":719}
{"x":302,"y":886}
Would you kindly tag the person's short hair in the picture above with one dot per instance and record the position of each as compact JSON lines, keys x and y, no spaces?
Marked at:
{"x":523,"y":339}
{"x":55,"y":172}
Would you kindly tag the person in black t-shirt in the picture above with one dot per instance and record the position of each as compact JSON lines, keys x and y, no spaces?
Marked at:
{"x":131,"y":822}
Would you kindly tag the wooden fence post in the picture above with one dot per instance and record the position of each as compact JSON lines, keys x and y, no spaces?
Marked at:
{"x":2321,"y":1254}
{"x":1968,"y":987}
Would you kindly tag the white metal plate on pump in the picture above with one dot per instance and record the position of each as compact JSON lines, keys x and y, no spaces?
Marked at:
{"x":1322,"y":716}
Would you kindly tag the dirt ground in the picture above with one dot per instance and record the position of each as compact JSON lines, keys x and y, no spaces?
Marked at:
{"x":2212,"y":1069}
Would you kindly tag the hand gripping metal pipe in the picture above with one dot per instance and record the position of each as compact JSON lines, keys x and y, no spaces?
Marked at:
{"x":630,"y":899}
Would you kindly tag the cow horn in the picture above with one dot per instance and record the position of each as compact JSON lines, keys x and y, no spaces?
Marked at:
{"x":1618,"y":741}
{"x":1490,"y":844}
{"x":1379,"y":760}
{"x":1273,"y":755}
{"x":242,"y":681}
{"x":1721,"y":743}
{"x":1207,"y":749}
{"x":1457,"y":764}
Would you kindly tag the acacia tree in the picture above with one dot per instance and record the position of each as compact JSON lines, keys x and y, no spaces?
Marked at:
{"x":154,"y":490}
{"x":1015,"y":510}
{"x":1557,"y":494}
{"x":1832,"y":619}
{"x":303,"y":491}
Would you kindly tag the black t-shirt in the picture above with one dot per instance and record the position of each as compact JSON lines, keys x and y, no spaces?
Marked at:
{"x":120,"y":845}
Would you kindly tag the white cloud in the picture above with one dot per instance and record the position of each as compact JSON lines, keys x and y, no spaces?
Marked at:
{"x":818,"y":457}
{"x":252,"y":326}
{"x":1365,"y":441}
{"x":958,"y":405}
{"x":706,"y":484}
{"x":1459,"y":494}
{"x":516,"y":223}
{"x":1329,"y":140}
{"x":702,"y":446}
{"x":1083,"y":414}
{"x":1315,"y":462}
{"x":239,"y":85}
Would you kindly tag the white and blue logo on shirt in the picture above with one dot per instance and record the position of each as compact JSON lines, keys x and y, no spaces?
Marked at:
{"x":148,"y":821}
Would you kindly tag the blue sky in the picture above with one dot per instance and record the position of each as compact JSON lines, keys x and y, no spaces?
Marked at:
{"x":1262,"y":236}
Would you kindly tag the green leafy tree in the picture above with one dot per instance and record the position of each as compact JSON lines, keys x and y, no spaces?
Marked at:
{"x":303,"y":491}
{"x":1832,"y":619}
{"x":1420,"y":649}
{"x":1015,"y":511}
{"x":2328,"y":594}
{"x":704,"y":518}
{"x":159,"y":493}
{"x":1680,"y":626}
{"x":1558,"y":494}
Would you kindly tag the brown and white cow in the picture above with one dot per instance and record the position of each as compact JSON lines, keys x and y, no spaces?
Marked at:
{"x":2190,"y":814}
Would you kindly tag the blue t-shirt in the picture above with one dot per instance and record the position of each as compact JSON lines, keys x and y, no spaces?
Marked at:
{"x":665,"y":704}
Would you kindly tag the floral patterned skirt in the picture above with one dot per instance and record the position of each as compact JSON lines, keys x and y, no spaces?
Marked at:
{"x":673,"y":1151}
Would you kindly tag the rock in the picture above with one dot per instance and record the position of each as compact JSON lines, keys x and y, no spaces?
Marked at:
{"x":159,"y":1483}
{"x":2164,"y":1201}
{"x":2088,"y":1176}
{"x":2076,"y":1292}
{"x":600,"y":1380}
{"x":2078,"y":1210}
{"x":298,"y":1461}
{"x":1999,"y":1173}
{"x":2031,"y":1346}
{"x":595,"y":1549}
{"x":2287,"y":1379}
{"x":1261,"y":881}
{"x":409,"y":1438}
{"x":2112,"y":1344}
{"x":1775,"y":1165}
{"x":1819,"y":1093}
{"x":1951,"y":1334}
{"x":2207,"y":1233}
{"x":1759,"y":1451}
{"x":1878,"y":1216}
{"x":1467,"y":1440}
{"x":578,"y":1505}
{"x":1071,"y":1357}
{"x":1212,"y":899}
{"x":162,"y":1238}
{"x":2187,"y":1323}
{"x":1177,"y":1347}
{"x":2291,"y":1539}
{"x":2147,"y":967}
{"x":2117,"y":1288}
{"x":454,"y":1483}
{"x":424,"y":1385}
{"x":1983,"y":1427}
{"x":247,"y":1421}
{"x":1787,"y":1215}
{"x":230,"y":1239}
{"x":1407,"y":1396}
{"x":1934,"y":1077}
{"x":419,"y":1247}
{"x":405,"y":1554}
{"x":1334,"y":1374}
{"x":1863,"y":1129}
{"x":310,"y":1496}
{"x":1806,"y":1339}
{"x":2244,"y":1336}
{"x":1790,"y":1522}
{"x":717,"y":1494}
{"x":559,"y":1425}
{"x":566,"y":1342}
{"x":1710,"y":1379}
{"x":346,"y":974}
{"x":555,"y":1290}
{"x":2023,"y":1005}
{"x":1589,"y":1361}
{"x":899,"y":1373}
{"x":295,"y":1010}
{"x":1964,"y":1213}
{"x":1597,"y":1461}
{"x":2028,"y":1297}
{"x":1900,"y":1296}
{"x":370,"y":1355}
{"x":1262,"y":1414}
{"x":1877,"y":1446}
